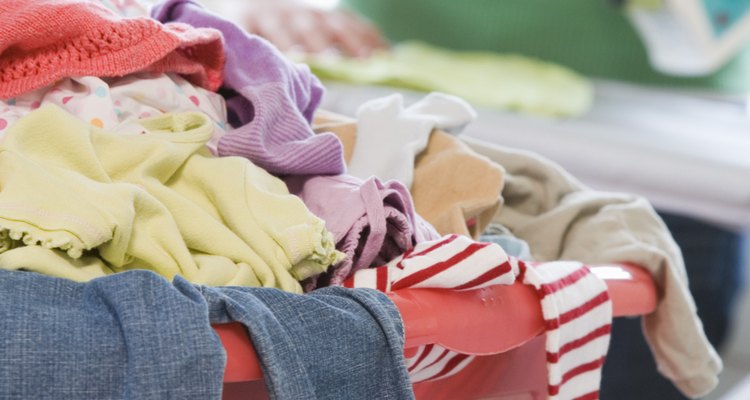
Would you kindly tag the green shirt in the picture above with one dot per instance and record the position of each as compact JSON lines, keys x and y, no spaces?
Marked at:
{"x":590,"y":36}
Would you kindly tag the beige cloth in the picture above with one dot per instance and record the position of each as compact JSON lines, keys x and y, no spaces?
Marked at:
{"x":454,"y":189}
{"x":561,"y":219}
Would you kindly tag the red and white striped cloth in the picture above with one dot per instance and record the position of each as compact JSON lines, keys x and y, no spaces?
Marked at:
{"x":575,"y":305}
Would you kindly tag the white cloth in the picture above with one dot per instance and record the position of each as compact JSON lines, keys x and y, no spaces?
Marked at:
{"x":389,"y":136}
{"x":116,"y":104}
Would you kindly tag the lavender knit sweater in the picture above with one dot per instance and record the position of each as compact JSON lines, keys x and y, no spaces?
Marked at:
{"x":269,"y":99}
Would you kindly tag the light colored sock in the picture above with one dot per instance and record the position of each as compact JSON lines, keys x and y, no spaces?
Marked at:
{"x":389,"y":136}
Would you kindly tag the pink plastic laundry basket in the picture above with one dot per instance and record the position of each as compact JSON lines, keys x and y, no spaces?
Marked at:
{"x":511,"y":365}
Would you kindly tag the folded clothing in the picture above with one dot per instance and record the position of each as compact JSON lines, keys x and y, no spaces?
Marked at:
{"x":43,"y":41}
{"x":270,"y":100}
{"x":136,"y":336}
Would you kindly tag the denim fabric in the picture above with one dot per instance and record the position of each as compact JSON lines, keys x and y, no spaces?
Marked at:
{"x":332,"y":343}
{"x":714,"y":262}
{"x":124,"y":336}
{"x":133,"y":335}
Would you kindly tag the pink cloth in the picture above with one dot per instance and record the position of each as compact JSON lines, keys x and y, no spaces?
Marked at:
{"x":372,"y":222}
{"x":42,"y":41}
{"x":575,"y":304}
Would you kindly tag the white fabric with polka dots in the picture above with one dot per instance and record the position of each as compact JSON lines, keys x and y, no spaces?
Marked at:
{"x":115,"y":104}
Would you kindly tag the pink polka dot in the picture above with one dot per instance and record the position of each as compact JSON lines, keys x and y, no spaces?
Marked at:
{"x":35,"y":105}
{"x":66,"y":99}
{"x":3,"y":123}
{"x":117,"y":103}
{"x":144,"y":114}
{"x":195,"y":100}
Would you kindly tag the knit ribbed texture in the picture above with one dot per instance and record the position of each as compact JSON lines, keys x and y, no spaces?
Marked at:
{"x":280,"y":140}
{"x":269,"y":99}
{"x":42,"y":41}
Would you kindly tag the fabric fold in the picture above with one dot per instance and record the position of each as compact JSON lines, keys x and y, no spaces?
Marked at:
{"x":371,"y":222}
{"x":116,"y":104}
{"x":43,"y":41}
{"x":125,"y":336}
{"x":158,"y":201}
{"x":575,"y":305}
{"x":269,"y":99}
{"x":561,"y":219}
{"x":455,"y":189}
{"x":390,"y":136}
{"x":332,"y":343}
{"x":136,"y":336}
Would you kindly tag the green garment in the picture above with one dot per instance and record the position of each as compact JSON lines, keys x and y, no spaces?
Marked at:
{"x":500,"y":81}
{"x":592,"y":37}
{"x":78,"y":202}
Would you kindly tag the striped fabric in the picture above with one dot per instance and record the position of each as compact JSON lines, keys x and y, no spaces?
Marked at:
{"x":575,"y":305}
{"x":578,"y":315}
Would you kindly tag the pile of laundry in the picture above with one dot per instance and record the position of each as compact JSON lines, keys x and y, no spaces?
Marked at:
{"x":164,"y":170}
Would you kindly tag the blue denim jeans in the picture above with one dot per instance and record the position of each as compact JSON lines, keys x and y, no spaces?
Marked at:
{"x":715,"y":264}
{"x":134,"y":335}
{"x":332,"y":343}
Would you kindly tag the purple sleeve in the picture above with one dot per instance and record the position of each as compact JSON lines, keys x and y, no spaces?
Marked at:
{"x":373,"y":222}
{"x":270,"y":100}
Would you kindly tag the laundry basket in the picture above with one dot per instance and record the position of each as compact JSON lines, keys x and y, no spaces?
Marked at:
{"x":512,"y":360}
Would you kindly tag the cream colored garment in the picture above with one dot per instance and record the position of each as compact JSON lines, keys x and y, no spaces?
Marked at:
{"x":563,"y":220}
{"x":454,"y":189}
{"x":79,"y":202}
